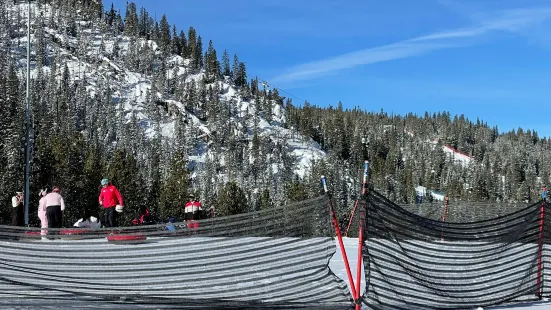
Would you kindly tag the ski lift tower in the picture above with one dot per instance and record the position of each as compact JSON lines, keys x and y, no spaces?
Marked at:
{"x":27,"y":112}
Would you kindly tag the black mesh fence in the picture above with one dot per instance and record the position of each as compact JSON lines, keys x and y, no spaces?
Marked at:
{"x":275,"y":259}
{"x":463,"y":211}
{"x":417,"y":261}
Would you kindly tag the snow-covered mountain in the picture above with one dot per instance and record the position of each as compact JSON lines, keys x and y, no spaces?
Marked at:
{"x":94,"y":56}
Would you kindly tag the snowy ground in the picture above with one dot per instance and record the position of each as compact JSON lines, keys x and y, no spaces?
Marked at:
{"x":351,"y":245}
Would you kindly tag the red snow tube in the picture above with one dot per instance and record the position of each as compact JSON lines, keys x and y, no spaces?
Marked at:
{"x":126,"y":238}
{"x":74,"y":231}
{"x":32,"y":233}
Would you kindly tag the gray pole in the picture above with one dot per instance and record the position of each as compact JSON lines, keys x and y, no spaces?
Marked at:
{"x":27,"y":120}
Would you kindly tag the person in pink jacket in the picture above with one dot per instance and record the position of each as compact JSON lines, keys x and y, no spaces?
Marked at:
{"x":42,"y":212}
{"x":54,"y":208}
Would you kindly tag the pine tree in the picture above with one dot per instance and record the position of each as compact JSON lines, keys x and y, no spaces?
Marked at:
{"x":174,"y":190}
{"x":235,"y":69}
{"x":111,"y":15}
{"x":92,"y":174}
{"x":226,"y":69}
{"x":68,"y":163}
{"x":156,"y":33}
{"x":256,"y":155}
{"x":265,"y":200}
{"x":131,"y":26}
{"x":183,"y":45}
{"x":199,"y":54}
{"x":116,"y":49}
{"x":231,"y":200}
{"x":241,"y":79}
{"x":41,"y":45}
{"x":11,"y":149}
{"x":124,"y":173}
{"x":144,"y":23}
{"x":208,"y":181}
{"x":165,"y":38}
{"x":212,"y":64}
{"x":296,"y":191}
{"x":176,"y":48}
{"x":192,"y":47}
{"x":118,"y":24}
{"x":154,"y":176}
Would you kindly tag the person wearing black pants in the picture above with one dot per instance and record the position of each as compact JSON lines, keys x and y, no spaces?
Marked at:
{"x":54,"y":216}
{"x":54,"y":208}
{"x":110,"y":217}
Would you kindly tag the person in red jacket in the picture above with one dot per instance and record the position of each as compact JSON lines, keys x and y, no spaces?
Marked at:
{"x":111,"y":200}
{"x":193,"y":210}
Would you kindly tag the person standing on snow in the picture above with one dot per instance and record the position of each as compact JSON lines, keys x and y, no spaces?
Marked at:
{"x":18,"y":210}
{"x":193,"y":210}
{"x":111,"y":200}
{"x":42,"y":212}
{"x":54,"y":208}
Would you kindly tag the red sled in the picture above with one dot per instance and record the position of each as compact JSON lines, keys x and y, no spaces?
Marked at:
{"x":32,"y":233}
{"x":126,"y":238}
{"x":74,"y":233}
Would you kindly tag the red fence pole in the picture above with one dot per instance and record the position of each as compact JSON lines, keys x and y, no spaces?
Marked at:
{"x":364,"y":183}
{"x":444,"y":215}
{"x":351,"y":218}
{"x":361,"y":230}
{"x":539,"y":291}
{"x":339,"y":237}
{"x":360,"y":258}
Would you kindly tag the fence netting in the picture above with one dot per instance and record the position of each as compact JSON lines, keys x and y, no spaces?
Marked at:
{"x":462,"y":211}
{"x":273,"y":258}
{"x":417,"y":262}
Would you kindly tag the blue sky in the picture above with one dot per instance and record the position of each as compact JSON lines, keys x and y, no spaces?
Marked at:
{"x":489,"y":59}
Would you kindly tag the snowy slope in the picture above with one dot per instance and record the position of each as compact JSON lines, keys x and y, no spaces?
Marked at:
{"x":458,"y":157}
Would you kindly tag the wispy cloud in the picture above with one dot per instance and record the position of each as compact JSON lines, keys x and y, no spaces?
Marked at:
{"x":514,"y":21}
{"x":537,"y":32}
{"x":363,"y":57}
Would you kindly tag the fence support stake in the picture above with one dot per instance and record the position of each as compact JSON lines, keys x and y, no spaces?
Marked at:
{"x":339,"y":237}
